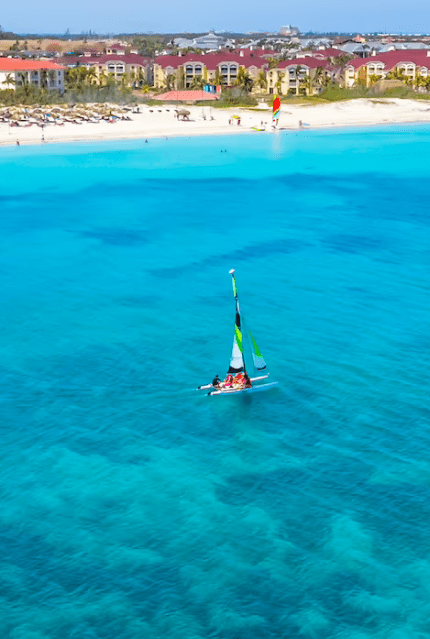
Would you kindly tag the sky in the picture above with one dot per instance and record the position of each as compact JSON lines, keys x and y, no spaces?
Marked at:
{"x":169,"y":16}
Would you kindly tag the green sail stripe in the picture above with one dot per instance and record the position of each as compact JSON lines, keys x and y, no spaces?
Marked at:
{"x":256,"y":349}
{"x":238,"y":334}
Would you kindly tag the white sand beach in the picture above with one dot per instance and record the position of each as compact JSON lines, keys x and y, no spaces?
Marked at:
{"x":162,"y":122}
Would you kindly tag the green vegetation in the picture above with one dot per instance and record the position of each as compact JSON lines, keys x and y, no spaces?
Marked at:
{"x":29,"y":95}
{"x":334,"y":93}
{"x":244,"y":80}
{"x":234,"y":97}
{"x":148,"y":45}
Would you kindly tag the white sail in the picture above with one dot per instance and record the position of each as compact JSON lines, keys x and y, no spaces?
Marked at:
{"x":236,"y":360}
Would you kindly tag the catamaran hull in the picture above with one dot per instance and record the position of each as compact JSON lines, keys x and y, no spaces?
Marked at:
{"x":208,"y":386}
{"x":253,"y":389}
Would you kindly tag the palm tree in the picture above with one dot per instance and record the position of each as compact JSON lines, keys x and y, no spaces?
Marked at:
{"x":197,"y":82}
{"x":244,"y":80}
{"x":307,"y":84}
{"x":278,"y":83}
{"x":373,"y":79}
{"x":43,"y":78}
{"x":24,"y":82}
{"x":139,"y":76}
{"x":396,"y":74}
{"x":219,"y":80}
{"x":262,"y":80}
{"x":169,"y":82}
{"x":420,"y":81}
{"x":319,"y":76}
{"x":110,"y":80}
{"x":102,"y":79}
{"x":124,"y":80}
{"x":298,"y":78}
{"x":92,"y":76}
{"x":9,"y":79}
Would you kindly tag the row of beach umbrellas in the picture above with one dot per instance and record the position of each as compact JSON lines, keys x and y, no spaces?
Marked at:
{"x":77,"y":113}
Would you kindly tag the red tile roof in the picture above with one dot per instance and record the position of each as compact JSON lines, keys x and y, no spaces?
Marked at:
{"x":257,"y":52}
{"x":392,"y":58}
{"x":312,"y":63}
{"x":329,"y":53}
{"x":210,"y":60}
{"x":187,"y":95}
{"x":129,"y":58}
{"x":13,"y":64}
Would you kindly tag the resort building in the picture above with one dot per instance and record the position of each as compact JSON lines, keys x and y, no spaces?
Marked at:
{"x":302,"y":75}
{"x":40,"y":73}
{"x":184,"y":72}
{"x":134,"y":68}
{"x":406,"y":65}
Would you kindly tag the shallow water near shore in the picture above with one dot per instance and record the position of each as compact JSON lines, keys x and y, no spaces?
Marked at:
{"x":133,"y":506}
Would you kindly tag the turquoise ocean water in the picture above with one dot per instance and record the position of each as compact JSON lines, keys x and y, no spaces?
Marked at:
{"x":134,"y":508}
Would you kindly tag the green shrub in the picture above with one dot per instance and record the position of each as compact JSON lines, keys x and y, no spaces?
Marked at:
{"x":234,"y":97}
{"x":334,"y":93}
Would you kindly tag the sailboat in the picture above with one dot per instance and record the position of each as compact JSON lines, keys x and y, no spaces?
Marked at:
{"x":237,"y":360}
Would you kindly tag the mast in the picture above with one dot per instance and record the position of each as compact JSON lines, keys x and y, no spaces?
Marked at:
{"x":238,"y":327}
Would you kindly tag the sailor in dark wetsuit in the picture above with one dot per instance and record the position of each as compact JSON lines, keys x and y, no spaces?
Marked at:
{"x":248,"y":383}
{"x":216,"y":381}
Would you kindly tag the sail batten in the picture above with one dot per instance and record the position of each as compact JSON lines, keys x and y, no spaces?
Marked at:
{"x":259,"y":363}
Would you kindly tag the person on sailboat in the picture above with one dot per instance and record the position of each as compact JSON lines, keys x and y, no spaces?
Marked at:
{"x":239,"y":380}
{"x":248,"y":382}
{"x":228,"y":381}
{"x":216,"y":381}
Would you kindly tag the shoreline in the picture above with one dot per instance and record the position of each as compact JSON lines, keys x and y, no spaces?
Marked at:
{"x":153,"y":122}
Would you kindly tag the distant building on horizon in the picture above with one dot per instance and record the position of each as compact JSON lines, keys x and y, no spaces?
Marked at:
{"x":289,"y":31}
{"x":208,"y":41}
